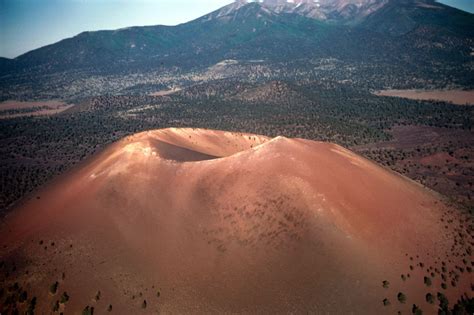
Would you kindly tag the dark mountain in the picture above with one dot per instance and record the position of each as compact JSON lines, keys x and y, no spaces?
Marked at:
{"x":408,"y":35}
{"x":6,"y":63}
{"x":250,"y":31}
{"x":403,"y":16}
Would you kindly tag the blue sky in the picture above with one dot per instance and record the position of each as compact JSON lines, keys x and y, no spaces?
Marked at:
{"x":30,"y":24}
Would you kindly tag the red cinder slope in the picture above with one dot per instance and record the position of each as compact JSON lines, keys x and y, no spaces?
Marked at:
{"x":201,"y":221}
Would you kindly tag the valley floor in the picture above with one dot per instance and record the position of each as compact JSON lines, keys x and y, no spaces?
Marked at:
{"x":431,"y":142}
{"x":15,"y":109}
{"x":459,"y":97}
{"x":439,"y":158}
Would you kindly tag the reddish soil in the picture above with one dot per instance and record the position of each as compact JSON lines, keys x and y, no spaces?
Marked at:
{"x":439,"y":158}
{"x":38,"y":108}
{"x":221,"y":222}
{"x":459,"y":97}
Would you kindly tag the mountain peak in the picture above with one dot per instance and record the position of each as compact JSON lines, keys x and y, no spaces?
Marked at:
{"x":236,"y":9}
{"x":346,"y":11}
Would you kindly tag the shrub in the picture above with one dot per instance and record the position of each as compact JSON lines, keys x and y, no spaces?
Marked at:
{"x":88,"y":310}
{"x":97,"y":296}
{"x":14,"y":287}
{"x":386,"y":302}
{"x":53,"y":288}
{"x":416,"y":310}
{"x":64,"y":298}
{"x":56,"y":306}
{"x":144,"y":304}
{"x":401,"y":297}
{"x":430,"y":298}
{"x":23,"y":297}
{"x":385,"y":284}
{"x":427,"y":281}
{"x":109,"y":308}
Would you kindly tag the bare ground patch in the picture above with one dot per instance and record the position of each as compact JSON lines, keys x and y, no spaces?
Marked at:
{"x":440,"y":158}
{"x":165,"y":92}
{"x":459,"y":97}
{"x":12,"y":109}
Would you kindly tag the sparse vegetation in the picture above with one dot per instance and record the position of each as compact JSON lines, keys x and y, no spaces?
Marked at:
{"x":443,"y":301}
{"x":31,"y":306}
{"x":330,"y":104}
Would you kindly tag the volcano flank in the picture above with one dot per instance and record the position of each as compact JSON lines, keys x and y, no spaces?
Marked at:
{"x":203,"y":221}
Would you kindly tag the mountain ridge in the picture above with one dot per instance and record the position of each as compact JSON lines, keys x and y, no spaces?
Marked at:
{"x":340,"y":11}
{"x":256,"y":7}
{"x":270,"y":33}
